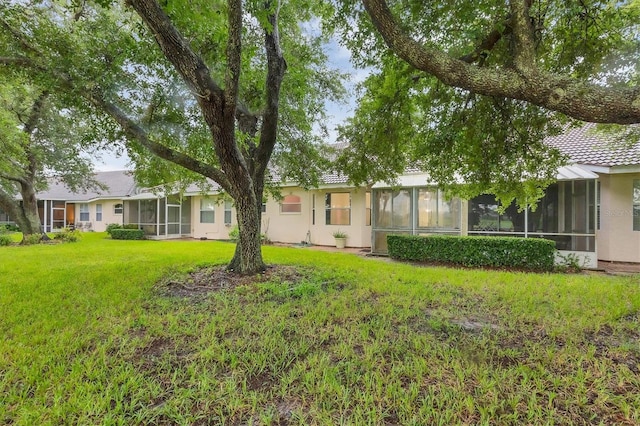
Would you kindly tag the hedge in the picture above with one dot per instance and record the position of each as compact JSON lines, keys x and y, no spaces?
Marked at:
{"x":127,"y":234}
{"x":508,"y":252}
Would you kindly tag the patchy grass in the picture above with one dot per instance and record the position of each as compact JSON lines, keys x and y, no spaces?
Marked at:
{"x":93,"y":333}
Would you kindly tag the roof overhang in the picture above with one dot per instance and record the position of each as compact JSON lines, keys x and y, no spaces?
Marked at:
{"x":575,"y":172}
{"x":145,"y":196}
{"x":613,"y":170}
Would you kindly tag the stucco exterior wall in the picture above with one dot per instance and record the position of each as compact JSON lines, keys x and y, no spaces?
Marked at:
{"x":108,"y":215}
{"x":616,"y":239}
{"x":310,"y":223}
{"x":217,"y":230}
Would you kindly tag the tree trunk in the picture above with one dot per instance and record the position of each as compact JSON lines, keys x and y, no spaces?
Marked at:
{"x":30,"y":219}
{"x":248,"y":255}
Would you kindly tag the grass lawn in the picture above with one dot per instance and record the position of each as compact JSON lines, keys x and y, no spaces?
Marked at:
{"x":88,"y":338}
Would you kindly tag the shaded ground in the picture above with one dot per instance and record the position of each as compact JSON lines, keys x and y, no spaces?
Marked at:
{"x":216,"y":278}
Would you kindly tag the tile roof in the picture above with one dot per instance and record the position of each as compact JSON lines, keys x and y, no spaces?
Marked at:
{"x":118,"y":184}
{"x":584,"y":146}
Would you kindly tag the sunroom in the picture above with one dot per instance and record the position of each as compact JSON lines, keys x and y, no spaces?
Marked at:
{"x":159,"y":216}
{"x":567,"y":214}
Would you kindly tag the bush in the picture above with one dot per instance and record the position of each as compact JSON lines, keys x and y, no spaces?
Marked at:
{"x":127,"y":234}
{"x":234,"y":235}
{"x":32,"y":239}
{"x":499,"y":252}
{"x":5,"y":239}
{"x":9,"y":227}
{"x":67,"y":235}
{"x":112,"y":226}
{"x":130,"y":226}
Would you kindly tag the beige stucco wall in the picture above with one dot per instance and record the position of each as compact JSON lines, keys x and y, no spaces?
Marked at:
{"x":108,"y":215}
{"x":616,"y":239}
{"x":212,"y":231}
{"x":293,"y":227}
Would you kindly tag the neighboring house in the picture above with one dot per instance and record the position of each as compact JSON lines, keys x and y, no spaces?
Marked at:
{"x":593,"y":210}
{"x":92,"y":210}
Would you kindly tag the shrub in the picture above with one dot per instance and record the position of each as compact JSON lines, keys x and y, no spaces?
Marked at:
{"x":500,"y":252}
{"x":112,"y":226}
{"x":5,"y":239}
{"x":130,"y":226}
{"x":8,"y":227}
{"x":32,"y":239}
{"x":67,"y":235}
{"x":127,"y":234}
{"x":234,"y":235}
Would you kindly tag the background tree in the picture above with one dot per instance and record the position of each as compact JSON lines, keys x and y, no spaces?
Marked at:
{"x":472,"y":88}
{"x":197,"y":84}
{"x":39,"y":143}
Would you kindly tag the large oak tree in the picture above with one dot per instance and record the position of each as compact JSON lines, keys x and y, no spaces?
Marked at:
{"x":200,"y":85}
{"x":40,"y":141}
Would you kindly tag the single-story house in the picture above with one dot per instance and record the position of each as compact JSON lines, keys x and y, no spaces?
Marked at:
{"x":86,"y":210}
{"x":593,"y":210}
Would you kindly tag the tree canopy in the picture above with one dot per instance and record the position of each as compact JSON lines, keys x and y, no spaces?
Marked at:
{"x":197,"y":84}
{"x":40,"y":141}
{"x":467,"y":91}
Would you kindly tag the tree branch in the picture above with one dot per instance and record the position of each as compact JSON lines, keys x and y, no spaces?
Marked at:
{"x":581,"y":100}
{"x":276,"y":67}
{"x":29,"y":127}
{"x":17,"y":60}
{"x":17,"y":179}
{"x":234,"y":50}
{"x":136,"y":132}
{"x":524,"y":44}
{"x":487,"y":43}
{"x":210,"y":97}
{"x":176,"y":49}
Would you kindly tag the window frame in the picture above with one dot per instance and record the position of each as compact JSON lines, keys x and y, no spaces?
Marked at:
{"x":635,"y":205}
{"x":210,"y":208}
{"x":84,"y":210}
{"x":328,"y":209}
{"x":228,"y":212}
{"x":98,"y":212}
{"x":297,"y":204}
{"x":116,"y":208}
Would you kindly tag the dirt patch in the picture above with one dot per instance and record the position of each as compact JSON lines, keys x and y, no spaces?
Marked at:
{"x":211,"y":279}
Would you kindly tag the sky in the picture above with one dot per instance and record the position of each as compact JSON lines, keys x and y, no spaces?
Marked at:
{"x":339,"y":57}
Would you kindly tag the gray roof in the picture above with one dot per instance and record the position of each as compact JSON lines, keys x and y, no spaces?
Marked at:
{"x":118,"y":184}
{"x":584,"y":146}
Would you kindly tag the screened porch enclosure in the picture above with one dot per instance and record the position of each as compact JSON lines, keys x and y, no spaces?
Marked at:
{"x":56,"y":214}
{"x":159,"y":217}
{"x":567,"y":215}
{"x":414,"y":211}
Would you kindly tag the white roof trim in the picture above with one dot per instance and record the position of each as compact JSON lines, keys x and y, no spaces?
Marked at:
{"x":145,"y":196}
{"x":575,"y":172}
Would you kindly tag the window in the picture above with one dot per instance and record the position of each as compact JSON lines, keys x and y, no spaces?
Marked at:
{"x":291,"y":204}
{"x":313,"y":209}
{"x":338,"y":208}
{"x":264,"y":207}
{"x":84,"y":212}
{"x":207,"y":211}
{"x":484,"y":216}
{"x":392,"y":209}
{"x":98,"y":212}
{"x":117,"y":209}
{"x":367,"y":209}
{"x":435,"y":211}
{"x":636,"y":204}
{"x":228,"y":206}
